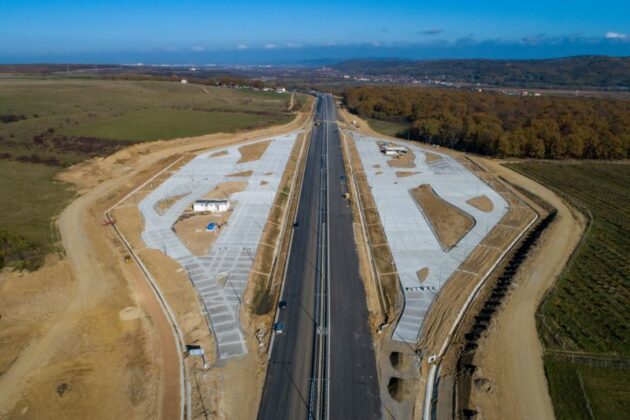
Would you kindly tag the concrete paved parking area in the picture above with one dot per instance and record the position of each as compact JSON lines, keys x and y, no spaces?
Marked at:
{"x":220,"y":276}
{"x":412,"y":241}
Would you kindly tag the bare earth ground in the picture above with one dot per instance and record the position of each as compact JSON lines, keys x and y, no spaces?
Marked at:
{"x":513,"y":362}
{"x":88,"y":338}
{"x":192,"y":230}
{"x":216,"y":391}
{"x":241,"y":174}
{"x":482,"y":203}
{"x":432,"y":157}
{"x":448,"y":222}
{"x":162,"y":206}
{"x":224,"y":190}
{"x":401,"y":174}
{"x":191,"y":227}
{"x":252,"y":152}
{"x":403,"y":161}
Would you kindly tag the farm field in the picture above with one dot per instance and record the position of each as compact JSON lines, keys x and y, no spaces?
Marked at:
{"x":587,"y":312}
{"x":48,"y":124}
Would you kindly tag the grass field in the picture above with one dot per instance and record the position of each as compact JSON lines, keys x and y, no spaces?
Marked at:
{"x":575,"y":387}
{"x":60,"y":122}
{"x":389,"y":128}
{"x":71,"y":120}
{"x":169,"y":124}
{"x":588,"y":309}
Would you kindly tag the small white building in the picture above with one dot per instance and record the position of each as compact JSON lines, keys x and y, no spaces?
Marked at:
{"x":390,"y":150}
{"x":213,"y":206}
{"x":184,"y":81}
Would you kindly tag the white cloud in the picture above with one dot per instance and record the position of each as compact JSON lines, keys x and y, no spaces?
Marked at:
{"x":270,"y":46}
{"x":293,"y":45}
{"x":241,"y":47}
{"x":615,"y":35}
{"x":198,"y":48}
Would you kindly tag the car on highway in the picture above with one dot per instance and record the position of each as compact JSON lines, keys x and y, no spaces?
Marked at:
{"x":278,"y":327}
{"x":296,"y":224}
{"x":282,"y":305}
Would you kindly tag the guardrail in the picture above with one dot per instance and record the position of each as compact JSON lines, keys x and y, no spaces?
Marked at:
{"x":318,"y":401}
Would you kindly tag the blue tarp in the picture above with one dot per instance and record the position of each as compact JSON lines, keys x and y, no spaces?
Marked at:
{"x":211,"y":226}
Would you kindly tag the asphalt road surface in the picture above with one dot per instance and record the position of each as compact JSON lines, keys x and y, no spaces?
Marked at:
{"x":353,"y":386}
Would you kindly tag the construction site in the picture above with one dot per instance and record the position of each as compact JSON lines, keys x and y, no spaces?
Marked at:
{"x":203,"y":233}
{"x":437,"y":226}
{"x":208,"y":229}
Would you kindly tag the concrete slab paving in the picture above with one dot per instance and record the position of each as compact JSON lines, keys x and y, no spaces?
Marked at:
{"x":220,"y":276}
{"x":412,"y":241}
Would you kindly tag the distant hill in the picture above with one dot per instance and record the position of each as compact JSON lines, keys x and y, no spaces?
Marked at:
{"x":573,"y":72}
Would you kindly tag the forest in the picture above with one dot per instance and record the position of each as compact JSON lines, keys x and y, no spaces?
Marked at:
{"x":599,"y":72}
{"x":494,"y":124}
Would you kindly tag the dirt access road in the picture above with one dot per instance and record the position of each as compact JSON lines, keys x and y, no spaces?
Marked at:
{"x":103,"y":348}
{"x":510,"y":355}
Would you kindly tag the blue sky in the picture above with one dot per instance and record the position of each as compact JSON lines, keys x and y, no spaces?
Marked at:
{"x":187,"y":31}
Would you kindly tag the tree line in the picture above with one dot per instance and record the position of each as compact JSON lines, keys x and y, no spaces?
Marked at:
{"x":493,"y":124}
{"x":586,"y":71}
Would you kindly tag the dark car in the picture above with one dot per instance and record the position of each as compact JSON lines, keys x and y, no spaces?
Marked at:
{"x":296,"y":224}
{"x":278,"y":327}
{"x":282,"y":305}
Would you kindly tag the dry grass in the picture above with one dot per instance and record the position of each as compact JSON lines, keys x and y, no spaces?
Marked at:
{"x":225,"y":190}
{"x":252,"y":152}
{"x":219,"y":154}
{"x":461,"y":283}
{"x":379,"y":248}
{"x":514,"y":217}
{"x":432,"y":157}
{"x":479,"y":259}
{"x":163,"y":205}
{"x":401,"y":174}
{"x":243,"y":173}
{"x":273,"y":250}
{"x":499,"y":236}
{"x":192,"y":231}
{"x":423,"y":273}
{"x":449,"y":223}
{"x":482,"y":203}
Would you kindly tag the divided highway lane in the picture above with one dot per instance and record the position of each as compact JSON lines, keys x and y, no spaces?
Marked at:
{"x":354,"y":391}
{"x":287,"y":390}
{"x":336,"y":360}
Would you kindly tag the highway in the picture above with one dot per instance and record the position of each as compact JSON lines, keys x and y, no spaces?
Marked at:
{"x":322,"y":365}
{"x":354,"y":392}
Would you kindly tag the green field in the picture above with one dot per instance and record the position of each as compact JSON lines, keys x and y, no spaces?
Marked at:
{"x":169,"y":124}
{"x":606,"y":391}
{"x":390,"y":128}
{"x":30,"y":198}
{"x":588,"y":310}
{"x":61,"y":122}
{"x":67,"y":121}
